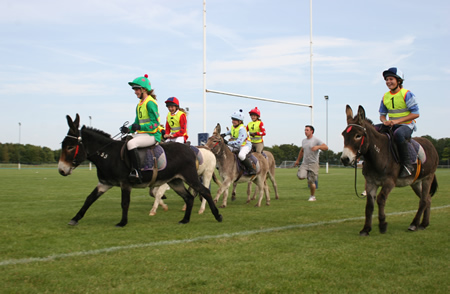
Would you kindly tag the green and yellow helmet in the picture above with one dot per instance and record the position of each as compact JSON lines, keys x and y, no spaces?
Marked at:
{"x":141,"y":82}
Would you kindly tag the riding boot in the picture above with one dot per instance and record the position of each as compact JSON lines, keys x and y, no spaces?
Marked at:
{"x":135,"y":174}
{"x":248,"y":165}
{"x":406,"y":166}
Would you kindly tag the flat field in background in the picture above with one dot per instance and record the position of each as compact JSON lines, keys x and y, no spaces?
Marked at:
{"x":291,"y":246}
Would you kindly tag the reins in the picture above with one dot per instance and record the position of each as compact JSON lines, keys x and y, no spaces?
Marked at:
{"x":80,"y":142}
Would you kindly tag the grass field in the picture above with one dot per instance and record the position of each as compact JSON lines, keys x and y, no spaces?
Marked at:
{"x":291,"y":246}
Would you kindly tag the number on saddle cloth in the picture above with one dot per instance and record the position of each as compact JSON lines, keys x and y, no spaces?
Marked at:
{"x":146,"y":158}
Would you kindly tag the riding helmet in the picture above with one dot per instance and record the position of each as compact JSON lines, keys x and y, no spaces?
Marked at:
{"x":238,"y":115}
{"x":255,"y":111}
{"x":141,"y":82}
{"x":172,"y":101}
{"x":393,"y":72}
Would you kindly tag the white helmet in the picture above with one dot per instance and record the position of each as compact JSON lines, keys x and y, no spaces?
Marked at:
{"x":239,"y":115}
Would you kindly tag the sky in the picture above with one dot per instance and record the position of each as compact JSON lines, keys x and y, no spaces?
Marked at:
{"x":61,"y":58}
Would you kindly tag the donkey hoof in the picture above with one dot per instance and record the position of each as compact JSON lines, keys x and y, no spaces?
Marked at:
{"x":364,"y":234}
{"x":121,"y":224}
{"x":73,"y":223}
{"x":219,"y":218}
{"x":412,"y":228}
{"x":383,"y":228}
{"x":183,"y":222}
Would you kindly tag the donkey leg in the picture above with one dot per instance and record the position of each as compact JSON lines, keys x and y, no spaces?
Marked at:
{"x":178,"y":186}
{"x":95,"y":194}
{"x":206,"y":183}
{"x":368,"y":212}
{"x":125,"y":204}
{"x":274,"y":184}
{"x":195,"y":184}
{"x":249,"y":191}
{"x":381,"y":201}
{"x":223,"y":190}
{"x":422,"y":191}
{"x":266,"y":191}
{"x":233,"y":194}
{"x":158,"y":192}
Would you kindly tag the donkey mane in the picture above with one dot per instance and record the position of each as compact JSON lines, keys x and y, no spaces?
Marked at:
{"x":100,"y":132}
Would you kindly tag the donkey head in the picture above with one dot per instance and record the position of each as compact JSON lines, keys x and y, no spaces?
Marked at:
{"x":217,"y":130}
{"x":354,"y":136}
{"x":71,"y":152}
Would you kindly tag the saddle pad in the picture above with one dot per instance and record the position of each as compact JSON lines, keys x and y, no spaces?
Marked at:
{"x":415,"y":151}
{"x":264,"y":154}
{"x":146,"y":158}
{"x":198,"y":154}
{"x":241,"y":167}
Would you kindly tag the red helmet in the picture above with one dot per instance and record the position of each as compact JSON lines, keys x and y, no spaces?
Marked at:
{"x":172,"y":101}
{"x":255,"y":111}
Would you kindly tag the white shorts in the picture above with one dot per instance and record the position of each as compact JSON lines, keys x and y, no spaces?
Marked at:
{"x":177,"y":139}
{"x":141,"y":140}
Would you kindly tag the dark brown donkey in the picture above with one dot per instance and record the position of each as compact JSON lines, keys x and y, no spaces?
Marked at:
{"x":227,"y":165}
{"x":381,"y":170}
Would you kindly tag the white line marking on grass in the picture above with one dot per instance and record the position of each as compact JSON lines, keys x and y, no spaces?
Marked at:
{"x":201,"y":238}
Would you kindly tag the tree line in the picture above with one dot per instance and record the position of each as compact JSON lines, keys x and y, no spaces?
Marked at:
{"x":31,"y":154}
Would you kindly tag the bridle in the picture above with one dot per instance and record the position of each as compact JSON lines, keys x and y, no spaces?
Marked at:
{"x":215,"y":145}
{"x":77,"y":149}
{"x":358,"y":153}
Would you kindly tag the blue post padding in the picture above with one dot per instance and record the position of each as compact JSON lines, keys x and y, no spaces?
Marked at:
{"x":202,"y":138}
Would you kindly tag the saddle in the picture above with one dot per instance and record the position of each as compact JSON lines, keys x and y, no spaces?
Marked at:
{"x":241,"y":168}
{"x":415,"y":150}
{"x":262,"y":152}
{"x":149,"y":156}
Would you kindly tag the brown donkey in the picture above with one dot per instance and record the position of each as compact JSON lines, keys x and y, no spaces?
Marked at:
{"x":271,"y":175}
{"x":380,"y":169}
{"x":228,"y":170}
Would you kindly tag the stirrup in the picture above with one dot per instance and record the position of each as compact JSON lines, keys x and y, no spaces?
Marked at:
{"x":135,"y":176}
{"x":406,"y":171}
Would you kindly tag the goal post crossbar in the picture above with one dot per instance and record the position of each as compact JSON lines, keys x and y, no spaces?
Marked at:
{"x":257,"y":98}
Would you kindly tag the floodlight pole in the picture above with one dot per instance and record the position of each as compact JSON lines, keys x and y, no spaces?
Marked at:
{"x":326,"y":100}
{"x":90,"y":124}
{"x":18,"y":149}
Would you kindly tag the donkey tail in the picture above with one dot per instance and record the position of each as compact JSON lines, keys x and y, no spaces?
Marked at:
{"x":216,"y":180}
{"x":434,"y":186}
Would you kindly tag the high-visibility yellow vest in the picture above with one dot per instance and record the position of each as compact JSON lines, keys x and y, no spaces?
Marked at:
{"x":396,"y":105}
{"x":253,"y":127}
{"x":143,"y":116}
{"x":174,"y":122}
{"x":235,"y":134}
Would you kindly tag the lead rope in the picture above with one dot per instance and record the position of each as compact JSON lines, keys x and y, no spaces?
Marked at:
{"x":356,"y":190}
{"x":356,"y":169}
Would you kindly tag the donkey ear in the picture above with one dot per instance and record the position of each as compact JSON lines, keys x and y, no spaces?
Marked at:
{"x":361,"y":114}
{"x":70,"y":121}
{"x":217,"y":129}
{"x":77,"y":121}
{"x":349,"y":112}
